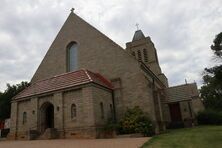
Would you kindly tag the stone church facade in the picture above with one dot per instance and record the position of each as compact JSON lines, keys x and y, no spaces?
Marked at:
{"x":85,"y":79}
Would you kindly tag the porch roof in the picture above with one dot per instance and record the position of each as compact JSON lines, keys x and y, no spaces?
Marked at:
{"x":63,"y":81}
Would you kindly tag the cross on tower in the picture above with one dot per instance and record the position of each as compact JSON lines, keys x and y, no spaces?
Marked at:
{"x":137,"y":26}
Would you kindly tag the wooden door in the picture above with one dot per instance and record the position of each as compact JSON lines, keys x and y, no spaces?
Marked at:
{"x":175,"y":112}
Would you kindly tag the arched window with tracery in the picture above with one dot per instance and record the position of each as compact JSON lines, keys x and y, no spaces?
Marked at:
{"x":24,"y":118}
{"x":73,"y":111}
{"x":72,"y":58}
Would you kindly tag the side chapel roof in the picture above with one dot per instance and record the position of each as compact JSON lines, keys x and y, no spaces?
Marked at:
{"x":182,"y":92}
{"x":63,"y":81}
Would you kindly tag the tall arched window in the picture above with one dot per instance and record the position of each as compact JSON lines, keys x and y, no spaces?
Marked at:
{"x":102,"y":110}
{"x":24,"y":118}
{"x":139,"y":55}
{"x":72,"y":60}
{"x":73,"y":111}
{"x":145,"y":56}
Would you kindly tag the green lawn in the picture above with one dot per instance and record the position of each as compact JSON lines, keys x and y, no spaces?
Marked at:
{"x":197,"y":137}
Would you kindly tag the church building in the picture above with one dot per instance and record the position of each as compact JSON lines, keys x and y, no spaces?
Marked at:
{"x":86,"y":79}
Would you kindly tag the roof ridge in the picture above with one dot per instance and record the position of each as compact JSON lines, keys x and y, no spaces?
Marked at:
{"x":180,"y":85}
{"x":91,"y":25}
{"x":59,"y":75}
{"x":86,"y":71}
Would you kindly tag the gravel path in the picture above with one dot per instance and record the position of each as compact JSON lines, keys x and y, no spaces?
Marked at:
{"x":77,"y":143}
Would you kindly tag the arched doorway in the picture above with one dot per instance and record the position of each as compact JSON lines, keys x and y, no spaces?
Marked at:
{"x":47,"y":116}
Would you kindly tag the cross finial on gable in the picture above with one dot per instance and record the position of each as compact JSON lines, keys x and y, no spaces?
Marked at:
{"x":137,"y":26}
{"x":72,"y":10}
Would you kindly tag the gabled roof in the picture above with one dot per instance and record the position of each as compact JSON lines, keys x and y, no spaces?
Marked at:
{"x":181,"y":92}
{"x":63,"y":81}
{"x":78,"y":30}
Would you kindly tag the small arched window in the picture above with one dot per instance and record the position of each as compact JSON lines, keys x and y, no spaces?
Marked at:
{"x":111,"y":110}
{"x":145,"y":56}
{"x":73,"y":111}
{"x":102,"y":110}
{"x":72,"y":58}
{"x":133,"y":54}
{"x":139,"y":55}
{"x":24,"y":118}
{"x":156,"y":57}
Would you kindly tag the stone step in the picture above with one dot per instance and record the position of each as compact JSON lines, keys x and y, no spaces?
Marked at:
{"x":50,"y":133}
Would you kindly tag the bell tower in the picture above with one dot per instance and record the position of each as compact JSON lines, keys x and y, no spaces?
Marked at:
{"x":143,"y":49}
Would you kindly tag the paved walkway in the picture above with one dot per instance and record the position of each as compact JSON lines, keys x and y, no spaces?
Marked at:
{"x":77,"y":143}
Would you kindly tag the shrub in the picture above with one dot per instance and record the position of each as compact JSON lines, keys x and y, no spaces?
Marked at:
{"x":144,"y":126}
{"x":209,"y":117}
{"x":135,"y":121}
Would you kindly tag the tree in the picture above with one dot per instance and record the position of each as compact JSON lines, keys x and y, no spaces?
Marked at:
{"x":211,"y":91}
{"x":6,"y":97}
{"x":217,"y":45}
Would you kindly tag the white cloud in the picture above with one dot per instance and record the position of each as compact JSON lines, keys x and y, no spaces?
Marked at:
{"x":182,"y":32}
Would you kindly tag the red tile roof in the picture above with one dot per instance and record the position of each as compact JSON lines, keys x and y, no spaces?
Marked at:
{"x":64,"y":81}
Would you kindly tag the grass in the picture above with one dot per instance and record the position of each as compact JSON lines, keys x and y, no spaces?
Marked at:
{"x":197,"y":137}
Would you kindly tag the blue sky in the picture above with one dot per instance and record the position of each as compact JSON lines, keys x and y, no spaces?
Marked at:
{"x":182,"y":32}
